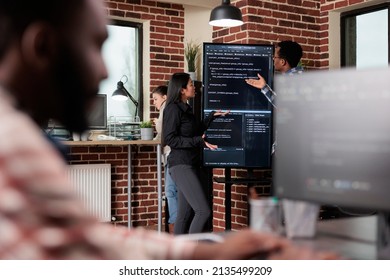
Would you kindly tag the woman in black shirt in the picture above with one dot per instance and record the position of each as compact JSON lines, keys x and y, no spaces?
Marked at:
{"x":185,"y":136}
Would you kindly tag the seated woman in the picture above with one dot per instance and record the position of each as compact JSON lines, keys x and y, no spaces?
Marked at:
{"x":159,"y":95}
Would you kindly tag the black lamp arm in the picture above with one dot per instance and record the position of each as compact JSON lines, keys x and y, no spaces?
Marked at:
{"x":135,"y":102}
{"x":131,"y":97}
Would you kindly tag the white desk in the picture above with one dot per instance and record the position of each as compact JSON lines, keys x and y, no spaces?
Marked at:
{"x":129,"y":144}
{"x":352,"y":238}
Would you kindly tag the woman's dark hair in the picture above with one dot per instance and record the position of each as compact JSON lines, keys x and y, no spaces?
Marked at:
{"x":161,"y":90}
{"x":290,"y":51}
{"x":177,"y":82}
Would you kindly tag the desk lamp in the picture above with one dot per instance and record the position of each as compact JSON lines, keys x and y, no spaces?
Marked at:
{"x":226,"y":15}
{"x":122,"y":94}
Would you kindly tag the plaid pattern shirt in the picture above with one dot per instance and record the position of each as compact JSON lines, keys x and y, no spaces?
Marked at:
{"x":40,"y":216}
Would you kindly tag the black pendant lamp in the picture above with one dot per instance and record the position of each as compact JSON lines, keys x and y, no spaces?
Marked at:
{"x":226,"y":15}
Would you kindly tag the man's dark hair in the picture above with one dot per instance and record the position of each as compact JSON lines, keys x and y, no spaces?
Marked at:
{"x":16,"y":15}
{"x":290,"y":51}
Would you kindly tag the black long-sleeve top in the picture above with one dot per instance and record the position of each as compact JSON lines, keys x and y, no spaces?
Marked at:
{"x":183,"y":134}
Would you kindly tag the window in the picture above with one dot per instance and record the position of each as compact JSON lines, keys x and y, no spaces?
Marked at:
{"x":365,"y":37}
{"x":122,"y":55}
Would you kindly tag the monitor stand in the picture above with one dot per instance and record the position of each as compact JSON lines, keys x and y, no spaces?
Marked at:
{"x":229,"y":181}
{"x":383,"y":236}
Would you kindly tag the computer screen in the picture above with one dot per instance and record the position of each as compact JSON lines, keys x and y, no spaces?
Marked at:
{"x":333,"y":138}
{"x":96,"y":116}
{"x":244,"y":136}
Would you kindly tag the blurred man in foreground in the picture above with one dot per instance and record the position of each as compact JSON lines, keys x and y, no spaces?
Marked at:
{"x":50,"y":67}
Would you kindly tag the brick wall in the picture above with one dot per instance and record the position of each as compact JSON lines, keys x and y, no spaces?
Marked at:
{"x":270,"y":21}
{"x":266,"y":21}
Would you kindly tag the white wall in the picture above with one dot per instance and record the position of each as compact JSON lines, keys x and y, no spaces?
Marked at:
{"x":197,"y":29}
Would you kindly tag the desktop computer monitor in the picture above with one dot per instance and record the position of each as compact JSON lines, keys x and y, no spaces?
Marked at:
{"x":97,"y":115}
{"x":333,"y":138}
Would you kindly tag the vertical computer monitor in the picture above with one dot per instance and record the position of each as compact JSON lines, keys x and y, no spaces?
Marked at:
{"x":333,"y":138}
{"x":244,"y":136}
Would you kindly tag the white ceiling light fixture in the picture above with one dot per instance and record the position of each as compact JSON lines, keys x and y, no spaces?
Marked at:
{"x":226,"y":15}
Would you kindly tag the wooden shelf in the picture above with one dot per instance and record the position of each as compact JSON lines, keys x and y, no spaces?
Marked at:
{"x":111,"y":143}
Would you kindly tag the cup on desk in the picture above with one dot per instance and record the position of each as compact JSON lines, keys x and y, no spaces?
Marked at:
{"x":300,"y":218}
{"x":265,"y":214}
{"x":76,"y":136}
{"x":80,"y":137}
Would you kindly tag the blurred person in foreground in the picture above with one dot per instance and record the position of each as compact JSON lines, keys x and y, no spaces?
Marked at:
{"x":50,"y":67}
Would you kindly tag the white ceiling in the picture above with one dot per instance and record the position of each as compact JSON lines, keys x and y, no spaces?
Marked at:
{"x":198,"y":3}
